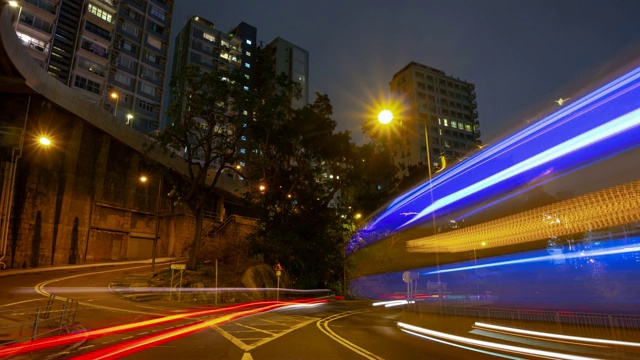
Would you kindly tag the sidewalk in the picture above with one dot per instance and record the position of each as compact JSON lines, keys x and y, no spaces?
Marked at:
{"x":10,"y":272}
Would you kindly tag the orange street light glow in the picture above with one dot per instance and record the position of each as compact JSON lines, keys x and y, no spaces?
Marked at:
{"x":385,"y":117}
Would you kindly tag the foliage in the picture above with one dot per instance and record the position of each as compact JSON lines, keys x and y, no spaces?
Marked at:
{"x":302,"y":165}
{"x":208,"y":121}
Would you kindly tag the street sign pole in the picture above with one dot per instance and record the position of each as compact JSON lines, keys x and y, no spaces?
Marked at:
{"x":278,"y":270}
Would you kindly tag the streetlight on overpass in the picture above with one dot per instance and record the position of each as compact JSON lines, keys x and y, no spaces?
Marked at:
{"x":15,"y":4}
{"x":144,"y":179}
{"x":8,"y":186}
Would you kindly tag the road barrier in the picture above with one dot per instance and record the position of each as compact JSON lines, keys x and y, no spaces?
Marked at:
{"x":21,"y":324}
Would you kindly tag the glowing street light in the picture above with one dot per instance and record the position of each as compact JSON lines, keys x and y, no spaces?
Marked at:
{"x":129,"y":117}
{"x":8,"y":187}
{"x":15,"y":4}
{"x":385,"y":117}
{"x":116,"y":97}
{"x":44,"y":141}
{"x":143,"y":179}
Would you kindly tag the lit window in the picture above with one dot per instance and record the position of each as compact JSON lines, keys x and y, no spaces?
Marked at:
{"x":241,"y":163}
{"x":243,"y":151}
{"x":248,"y":53}
{"x":246,"y":88}
{"x":454,"y":124}
{"x":209,"y":37}
{"x":243,"y":138}
{"x":467,"y":128}
{"x":248,"y":41}
{"x":247,"y":65}
{"x":461,"y":126}
{"x":100,"y":13}
{"x":446,"y":122}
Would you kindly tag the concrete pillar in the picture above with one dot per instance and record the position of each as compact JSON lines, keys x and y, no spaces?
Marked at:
{"x":132,"y":181}
{"x":64,"y":216}
{"x":97,"y":192}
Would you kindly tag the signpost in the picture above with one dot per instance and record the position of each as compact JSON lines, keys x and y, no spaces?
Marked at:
{"x":278,"y":270}
{"x":174,"y":267}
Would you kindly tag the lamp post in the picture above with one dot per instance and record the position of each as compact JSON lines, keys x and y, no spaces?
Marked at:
{"x":16,"y":4}
{"x":129,"y":117}
{"x":385,"y":117}
{"x":116,"y":98}
{"x":143,"y":179}
{"x":8,"y":187}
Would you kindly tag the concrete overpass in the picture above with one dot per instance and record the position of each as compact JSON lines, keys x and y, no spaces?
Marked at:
{"x":80,"y":200}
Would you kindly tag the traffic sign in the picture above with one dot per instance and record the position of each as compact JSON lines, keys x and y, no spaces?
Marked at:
{"x":178,"y":266}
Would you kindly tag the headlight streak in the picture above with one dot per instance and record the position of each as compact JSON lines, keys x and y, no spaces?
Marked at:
{"x":592,"y":253}
{"x":567,"y":123}
{"x":132,"y":346}
{"x":461,"y":346}
{"x":162,"y":290}
{"x":393,"y":303}
{"x":54,"y":341}
{"x":588,"y":138}
{"x":556,"y":336}
{"x":492,"y":345}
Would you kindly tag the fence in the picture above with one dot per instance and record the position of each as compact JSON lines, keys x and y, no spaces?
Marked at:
{"x":21,"y":324}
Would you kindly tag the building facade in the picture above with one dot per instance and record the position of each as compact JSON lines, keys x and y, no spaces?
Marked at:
{"x":114,"y":52}
{"x":283,"y":57}
{"x":440,"y":115}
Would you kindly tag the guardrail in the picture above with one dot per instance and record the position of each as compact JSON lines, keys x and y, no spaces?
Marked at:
{"x":22,"y":324}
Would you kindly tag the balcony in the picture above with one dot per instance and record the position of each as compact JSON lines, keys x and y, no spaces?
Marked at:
{"x":474,"y":115}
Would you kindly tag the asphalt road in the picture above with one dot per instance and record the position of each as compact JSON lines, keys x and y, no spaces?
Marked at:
{"x":159,"y":329}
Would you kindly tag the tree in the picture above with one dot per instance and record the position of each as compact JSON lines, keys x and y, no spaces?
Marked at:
{"x":209,"y":119}
{"x":299,"y":167}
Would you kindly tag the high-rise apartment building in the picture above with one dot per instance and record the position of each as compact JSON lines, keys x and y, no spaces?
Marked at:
{"x":440,"y":115}
{"x":115,"y":52}
{"x":283,"y":57}
{"x":200,"y":44}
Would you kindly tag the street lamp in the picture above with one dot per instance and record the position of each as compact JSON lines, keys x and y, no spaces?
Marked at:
{"x":144,"y":179}
{"x":16,"y":4}
{"x":385,"y":117}
{"x":129,"y":117}
{"x":116,"y":97}
{"x":8,"y":187}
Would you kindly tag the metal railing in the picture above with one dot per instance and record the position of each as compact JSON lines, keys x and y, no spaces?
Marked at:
{"x":22,"y":324}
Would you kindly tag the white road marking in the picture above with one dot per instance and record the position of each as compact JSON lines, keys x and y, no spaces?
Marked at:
{"x":24,"y":301}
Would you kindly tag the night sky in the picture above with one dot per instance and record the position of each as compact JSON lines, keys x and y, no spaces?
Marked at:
{"x":522,"y":55}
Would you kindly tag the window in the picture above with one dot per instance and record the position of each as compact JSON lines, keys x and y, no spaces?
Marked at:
{"x":97,"y":30}
{"x":447,"y":143}
{"x":86,"y":84}
{"x":419,"y":75}
{"x":467,"y":128}
{"x":125,"y":45}
{"x":129,"y":29}
{"x":460,"y":126}
{"x":454,"y":124}
{"x":100,"y":13}
{"x":420,"y":85}
{"x":145,"y":105}
{"x":157,"y":12}
{"x":243,"y":151}
{"x":243,"y":138}
{"x":247,"y":65}
{"x":248,"y":53}
{"x":209,"y":37}
{"x":157,"y":28}
{"x":125,"y":62}
{"x":147,"y":89}
{"x":155,"y":42}
{"x":445,"y":122}
{"x":132,"y":14}
{"x":152,"y":57}
{"x":147,"y":73}
{"x":123,"y":79}
{"x":248,"y":42}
